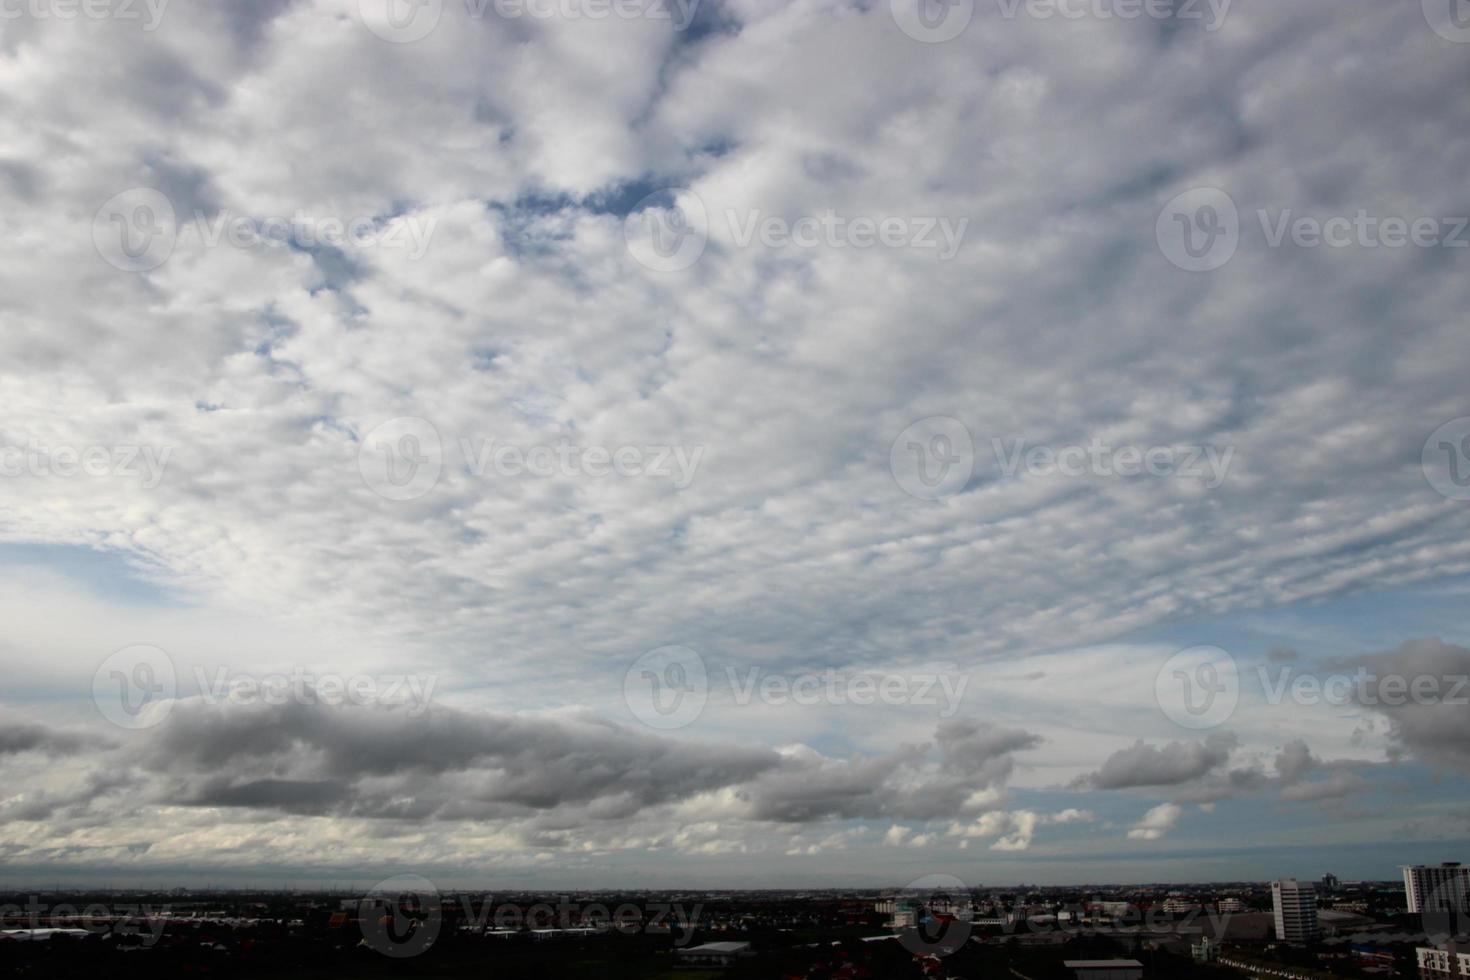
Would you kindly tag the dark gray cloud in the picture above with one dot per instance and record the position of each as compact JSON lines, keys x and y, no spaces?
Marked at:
{"x":16,"y":737}
{"x":1422,"y":687}
{"x":1143,"y":765}
{"x":371,"y":761}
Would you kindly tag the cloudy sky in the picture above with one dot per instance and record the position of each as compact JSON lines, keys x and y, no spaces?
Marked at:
{"x":738,"y":442}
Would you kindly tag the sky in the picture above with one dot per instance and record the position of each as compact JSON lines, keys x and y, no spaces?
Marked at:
{"x":733,"y":443}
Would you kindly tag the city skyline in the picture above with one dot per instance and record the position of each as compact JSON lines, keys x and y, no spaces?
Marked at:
{"x":733,"y":443}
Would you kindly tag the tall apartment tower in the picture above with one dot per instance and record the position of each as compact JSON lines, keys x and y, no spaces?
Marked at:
{"x":1295,"y":905}
{"x":1441,"y":888}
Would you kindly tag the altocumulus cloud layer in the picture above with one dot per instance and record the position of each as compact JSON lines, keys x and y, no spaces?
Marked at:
{"x":231,"y":390}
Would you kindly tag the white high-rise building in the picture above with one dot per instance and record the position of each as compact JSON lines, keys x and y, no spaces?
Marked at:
{"x":1437,"y":888}
{"x":1295,"y":905}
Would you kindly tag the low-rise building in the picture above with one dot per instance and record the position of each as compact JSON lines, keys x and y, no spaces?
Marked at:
{"x":1105,"y":969}
{"x":713,"y":954}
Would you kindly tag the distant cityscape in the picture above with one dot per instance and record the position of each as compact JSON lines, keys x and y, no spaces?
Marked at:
{"x":1285,"y":929}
